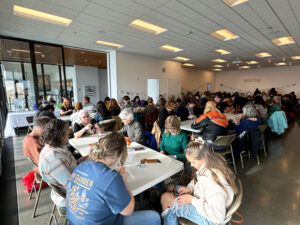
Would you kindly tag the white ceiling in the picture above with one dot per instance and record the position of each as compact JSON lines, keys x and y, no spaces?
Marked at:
{"x":256,"y":22}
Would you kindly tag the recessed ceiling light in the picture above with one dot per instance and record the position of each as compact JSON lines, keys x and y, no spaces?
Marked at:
{"x":295,"y":57}
{"x":221,"y":52}
{"x":188,"y":64}
{"x":170,"y":48}
{"x":217,"y":69}
{"x":251,"y":62}
{"x":146,"y":27}
{"x":263,"y":54}
{"x":41,"y":16}
{"x":244,"y":67}
{"x":109,"y":44}
{"x":224,"y":35}
{"x":218,"y":66}
{"x":283,"y":41}
{"x":218,"y":60}
{"x":232,"y":3}
{"x":25,"y":51}
{"x":280,"y":64}
{"x":181,"y":58}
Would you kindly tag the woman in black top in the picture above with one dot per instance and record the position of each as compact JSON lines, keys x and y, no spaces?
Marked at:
{"x":67,"y":108}
{"x":84,"y":126}
{"x":164,"y":112}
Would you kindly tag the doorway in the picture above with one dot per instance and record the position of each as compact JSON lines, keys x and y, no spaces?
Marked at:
{"x":153,"y":89}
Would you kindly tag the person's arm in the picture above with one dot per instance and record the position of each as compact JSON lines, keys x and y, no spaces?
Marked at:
{"x":201,"y":122}
{"x":78,"y":131}
{"x":138,"y":133}
{"x":130,"y":207}
{"x":184,"y":143}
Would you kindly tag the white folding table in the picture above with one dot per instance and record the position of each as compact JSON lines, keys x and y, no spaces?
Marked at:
{"x":139,"y":178}
{"x":186,"y":125}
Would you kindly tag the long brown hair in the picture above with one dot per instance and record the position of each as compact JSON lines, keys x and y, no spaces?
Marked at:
{"x":113,"y":104}
{"x":112,"y":145}
{"x":213,"y":162}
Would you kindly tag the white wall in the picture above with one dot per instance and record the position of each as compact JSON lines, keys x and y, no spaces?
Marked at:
{"x":134,"y":70}
{"x":86,"y":75}
{"x":284,"y":79}
{"x":196,"y":80}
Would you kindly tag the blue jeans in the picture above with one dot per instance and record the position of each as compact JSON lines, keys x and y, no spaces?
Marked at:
{"x":188,"y":211}
{"x":144,"y":217}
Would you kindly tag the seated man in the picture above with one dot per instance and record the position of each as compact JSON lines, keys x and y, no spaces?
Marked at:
{"x":56,"y":163}
{"x":31,"y":144}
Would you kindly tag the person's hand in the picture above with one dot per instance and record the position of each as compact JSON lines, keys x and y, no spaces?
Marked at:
{"x":185,"y":199}
{"x":184,"y":190}
{"x":163,"y":152}
{"x":88,"y":127}
{"x":191,"y":116}
{"x":70,"y":110}
{"x":123,"y":173}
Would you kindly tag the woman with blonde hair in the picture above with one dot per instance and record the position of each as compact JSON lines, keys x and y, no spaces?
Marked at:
{"x":67,"y":108}
{"x":174,"y":140}
{"x":212,"y":123}
{"x":164,"y":112}
{"x":208,"y":195}
{"x":97,"y":194}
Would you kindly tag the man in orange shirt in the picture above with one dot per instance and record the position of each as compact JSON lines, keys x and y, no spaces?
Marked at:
{"x":31,"y":144}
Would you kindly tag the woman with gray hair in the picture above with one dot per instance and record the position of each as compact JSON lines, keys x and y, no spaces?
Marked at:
{"x":248,"y":120}
{"x":132,"y":129}
{"x":83,"y":125}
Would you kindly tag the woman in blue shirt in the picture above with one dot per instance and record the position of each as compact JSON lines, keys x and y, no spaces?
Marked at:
{"x":102,"y":112}
{"x":99,"y":195}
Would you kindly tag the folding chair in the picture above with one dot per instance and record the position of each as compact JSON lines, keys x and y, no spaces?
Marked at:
{"x":226,"y":142}
{"x":262,"y":129}
{"x":62,"y":193}
{"x":29,"y":120}
{"x":37,"y":180}
{"x":230,"y":212}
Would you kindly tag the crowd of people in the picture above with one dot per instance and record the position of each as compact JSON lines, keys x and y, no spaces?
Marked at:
{"x":98,"y":194}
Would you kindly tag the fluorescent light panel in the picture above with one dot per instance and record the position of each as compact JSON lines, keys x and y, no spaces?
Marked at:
{"x":283,"y":41}
{"x":295,"y":57}
{"x":245,"y":67}
{"x":232,"y":3}
{"x":217,"y":69}
{"x":40,"y":16}
{"x":224,"y":35}
{"x":181,"y":58}
{"x":170,"y":48}
{"x":252,"y":62}
{"x":263,"y":54}
{"x":109,"y":44}
{"x":218,"y":60}
{"x":146,"y":27}
{"x":188,"y":64}
{"x":25,"y":51}
{"x":280,"y":64}
{"x":222,"y":52}
{"x":218,"y":66}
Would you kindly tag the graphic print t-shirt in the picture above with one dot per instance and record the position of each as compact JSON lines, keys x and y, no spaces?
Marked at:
{"x":96,"y":195}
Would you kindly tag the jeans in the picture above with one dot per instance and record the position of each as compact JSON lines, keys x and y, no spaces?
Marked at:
{"x":144,"y":217}
{"x":188,"y":211}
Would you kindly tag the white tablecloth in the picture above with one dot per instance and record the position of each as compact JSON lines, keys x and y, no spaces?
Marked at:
{"x":16,"y":120}
{"x":186,"y":125}
{"x":139,"y":179}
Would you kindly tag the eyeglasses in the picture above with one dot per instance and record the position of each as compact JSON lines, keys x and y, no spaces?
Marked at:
{"x":171,"y":128}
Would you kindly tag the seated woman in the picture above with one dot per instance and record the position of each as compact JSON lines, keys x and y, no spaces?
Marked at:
{"x":213,"y":123}
{"x":83,"y":125}
{"x":67,"y":108}
{"x":74,"y":116}
{"x":150,"y":107}
{"x":48,"y":111}
{"x":125,"y":103}
{"x":229,"y":108}
{"x":102,"y":112}
{"x":87,"y":105}
{"x":164,"y":112}
{"x":261,"y":106}
{"x":185,"y":110}
{"x":136,"y":102}
{"x":248,"y":120}
{"x":56,"y":163}
{"x":132,"y":129}
{"x":114,"y":108}
{"x":91,"y":201}
{"x":174,"y":140}
{"x":208,"y":195}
